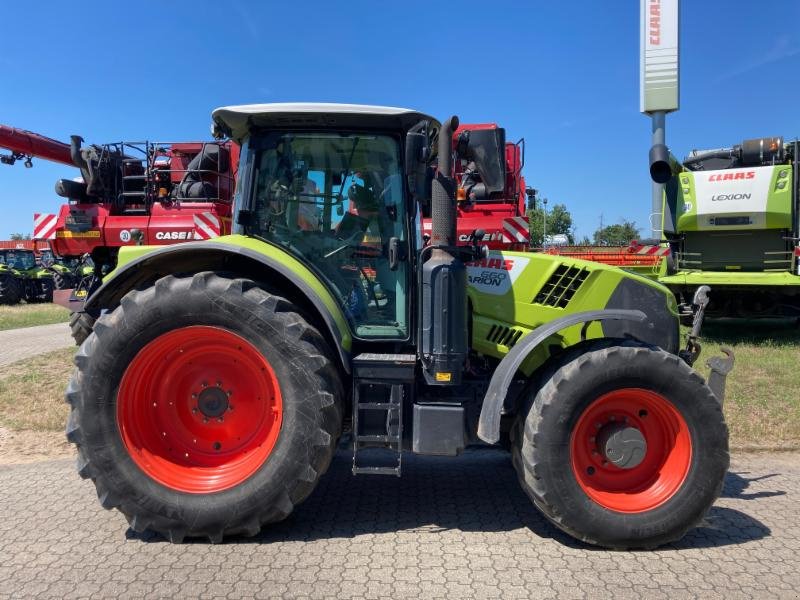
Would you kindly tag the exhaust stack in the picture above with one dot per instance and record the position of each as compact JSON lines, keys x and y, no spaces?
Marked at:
{"x":443,"y":347}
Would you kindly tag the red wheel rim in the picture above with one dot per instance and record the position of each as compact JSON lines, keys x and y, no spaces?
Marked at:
{"x":199,"y":409}
{"x":666,"y":461}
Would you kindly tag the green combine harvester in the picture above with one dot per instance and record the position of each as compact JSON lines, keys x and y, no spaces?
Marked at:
{"x":22,"y":279}
{"x":218,"y":376}
{"x":731,"y":217}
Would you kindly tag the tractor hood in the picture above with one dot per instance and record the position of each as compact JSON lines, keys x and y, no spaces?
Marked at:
{"x":235,"y":121}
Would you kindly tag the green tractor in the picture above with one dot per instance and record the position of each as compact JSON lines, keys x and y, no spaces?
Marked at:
{"x":22,"y":279}
{"x":9,"y":285}
{"x":219,"y":376}
{"x":68,"y":272}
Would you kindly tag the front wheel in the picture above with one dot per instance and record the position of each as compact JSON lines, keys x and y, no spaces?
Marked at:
{"x":9,"y":290}
{"x":622,"y":446}
{"x":204,"y":406}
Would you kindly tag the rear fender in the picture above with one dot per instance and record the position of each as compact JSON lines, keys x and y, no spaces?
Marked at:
{"x":270,"y":265}
{"x":489,"y":423}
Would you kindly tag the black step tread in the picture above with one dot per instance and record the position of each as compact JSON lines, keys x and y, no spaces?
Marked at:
{"x":376,"y":471}
{"x":391,"y":358}
{"x":378,"y":406}
{"x":378,"y":438}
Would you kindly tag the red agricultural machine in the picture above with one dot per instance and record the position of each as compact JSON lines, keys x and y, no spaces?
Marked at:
{"x":130,"y":193}
{"x":491,"y":193}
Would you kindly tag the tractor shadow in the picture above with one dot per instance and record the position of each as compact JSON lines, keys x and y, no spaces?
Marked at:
{"x":476,"y":492}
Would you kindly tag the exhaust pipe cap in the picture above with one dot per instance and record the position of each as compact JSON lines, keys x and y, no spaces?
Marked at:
{"x":660,"y":169}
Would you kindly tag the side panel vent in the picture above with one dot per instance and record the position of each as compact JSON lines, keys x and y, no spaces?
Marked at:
{"x":503,"y":336}
{"x":561,"y":286}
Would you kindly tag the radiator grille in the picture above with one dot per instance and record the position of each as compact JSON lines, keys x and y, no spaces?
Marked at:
{"x":504,"y":336}
{"x":561,"y":286}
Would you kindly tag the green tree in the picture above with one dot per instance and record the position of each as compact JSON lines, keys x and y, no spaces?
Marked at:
{"x":559,"y":221}
{"x":20,"y":236}
{"x":618,"y":234}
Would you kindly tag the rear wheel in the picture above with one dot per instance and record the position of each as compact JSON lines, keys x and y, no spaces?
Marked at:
{"x":622,"y":446}
{"x":63,"y":281}
{"x":9,"y":290}
{"x":204,"y":406}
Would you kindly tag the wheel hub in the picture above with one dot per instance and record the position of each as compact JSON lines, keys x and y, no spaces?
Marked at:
{"x":622,"y":445}
{"x":212,"y":402}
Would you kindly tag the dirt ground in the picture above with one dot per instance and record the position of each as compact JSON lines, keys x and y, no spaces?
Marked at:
{"x":19,"y":447}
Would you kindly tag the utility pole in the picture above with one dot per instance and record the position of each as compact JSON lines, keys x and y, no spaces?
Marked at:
{"x":544,"y":222}
{"x":659,"y":90}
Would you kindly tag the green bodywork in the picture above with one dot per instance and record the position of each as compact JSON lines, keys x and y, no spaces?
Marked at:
{"x":510,"y":295}
{"x":35,"y":283}
{"x":732,"y":229}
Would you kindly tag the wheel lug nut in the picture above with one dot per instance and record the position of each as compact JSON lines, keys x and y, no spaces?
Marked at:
{"x":220,"y":419}
{"x":194,"y":410}
{"x":194,"y":395}
{"x":205,"y":420}
{"x":229,"y":392}
{"x":204,"y":384}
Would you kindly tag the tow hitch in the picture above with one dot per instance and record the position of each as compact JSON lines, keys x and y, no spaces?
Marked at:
{"x":720,"y":365}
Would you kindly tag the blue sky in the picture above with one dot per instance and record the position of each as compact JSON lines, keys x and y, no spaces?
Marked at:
{"x":563,"y":75}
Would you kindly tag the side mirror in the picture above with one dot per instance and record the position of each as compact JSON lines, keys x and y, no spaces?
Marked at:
{"x":417,"y":153}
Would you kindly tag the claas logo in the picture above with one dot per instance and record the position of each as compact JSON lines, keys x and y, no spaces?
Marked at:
{"x":732,"y":176}
{"x":504,"y":264}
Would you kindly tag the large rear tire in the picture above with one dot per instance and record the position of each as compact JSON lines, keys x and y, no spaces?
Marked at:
{"x":63,"y":281}
{"x":622,"y":445}
{"x":204,"y":406}
{"x":10,"y":293}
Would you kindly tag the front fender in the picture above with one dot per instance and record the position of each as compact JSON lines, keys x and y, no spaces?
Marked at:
{"x":242,"y":256}
{"x":489,"y":423}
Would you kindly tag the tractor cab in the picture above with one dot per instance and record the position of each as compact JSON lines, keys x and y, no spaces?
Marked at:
{"x":333,"y":195}
{"x":19,"y":260}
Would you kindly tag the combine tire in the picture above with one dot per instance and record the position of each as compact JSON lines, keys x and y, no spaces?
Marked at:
{"x":203,"y":407}
{"x":80,"y":325}
{"x":622,"y":446}
{"x":9,"y":290}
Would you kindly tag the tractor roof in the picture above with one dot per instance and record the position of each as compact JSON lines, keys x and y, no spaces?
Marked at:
{"x":235,"y":121}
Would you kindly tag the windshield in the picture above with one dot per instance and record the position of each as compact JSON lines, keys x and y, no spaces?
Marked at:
{"x":336,"y":202}
{"x":20,"y":259}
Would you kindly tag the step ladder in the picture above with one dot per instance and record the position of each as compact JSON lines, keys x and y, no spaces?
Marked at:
{"x":381,"y":382}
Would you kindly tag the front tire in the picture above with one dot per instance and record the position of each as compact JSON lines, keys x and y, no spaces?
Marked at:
{"x":204,"y":406}
{"x":622,"y":446}
{"x":9,"y":290}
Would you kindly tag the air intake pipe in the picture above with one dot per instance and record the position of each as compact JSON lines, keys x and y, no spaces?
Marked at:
{"x":443,"y":302}
{"x":75,"y":152}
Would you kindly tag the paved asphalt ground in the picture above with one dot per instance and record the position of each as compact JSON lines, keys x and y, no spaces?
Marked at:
{"x":449,"y":528}
{"x":17,"y":344}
